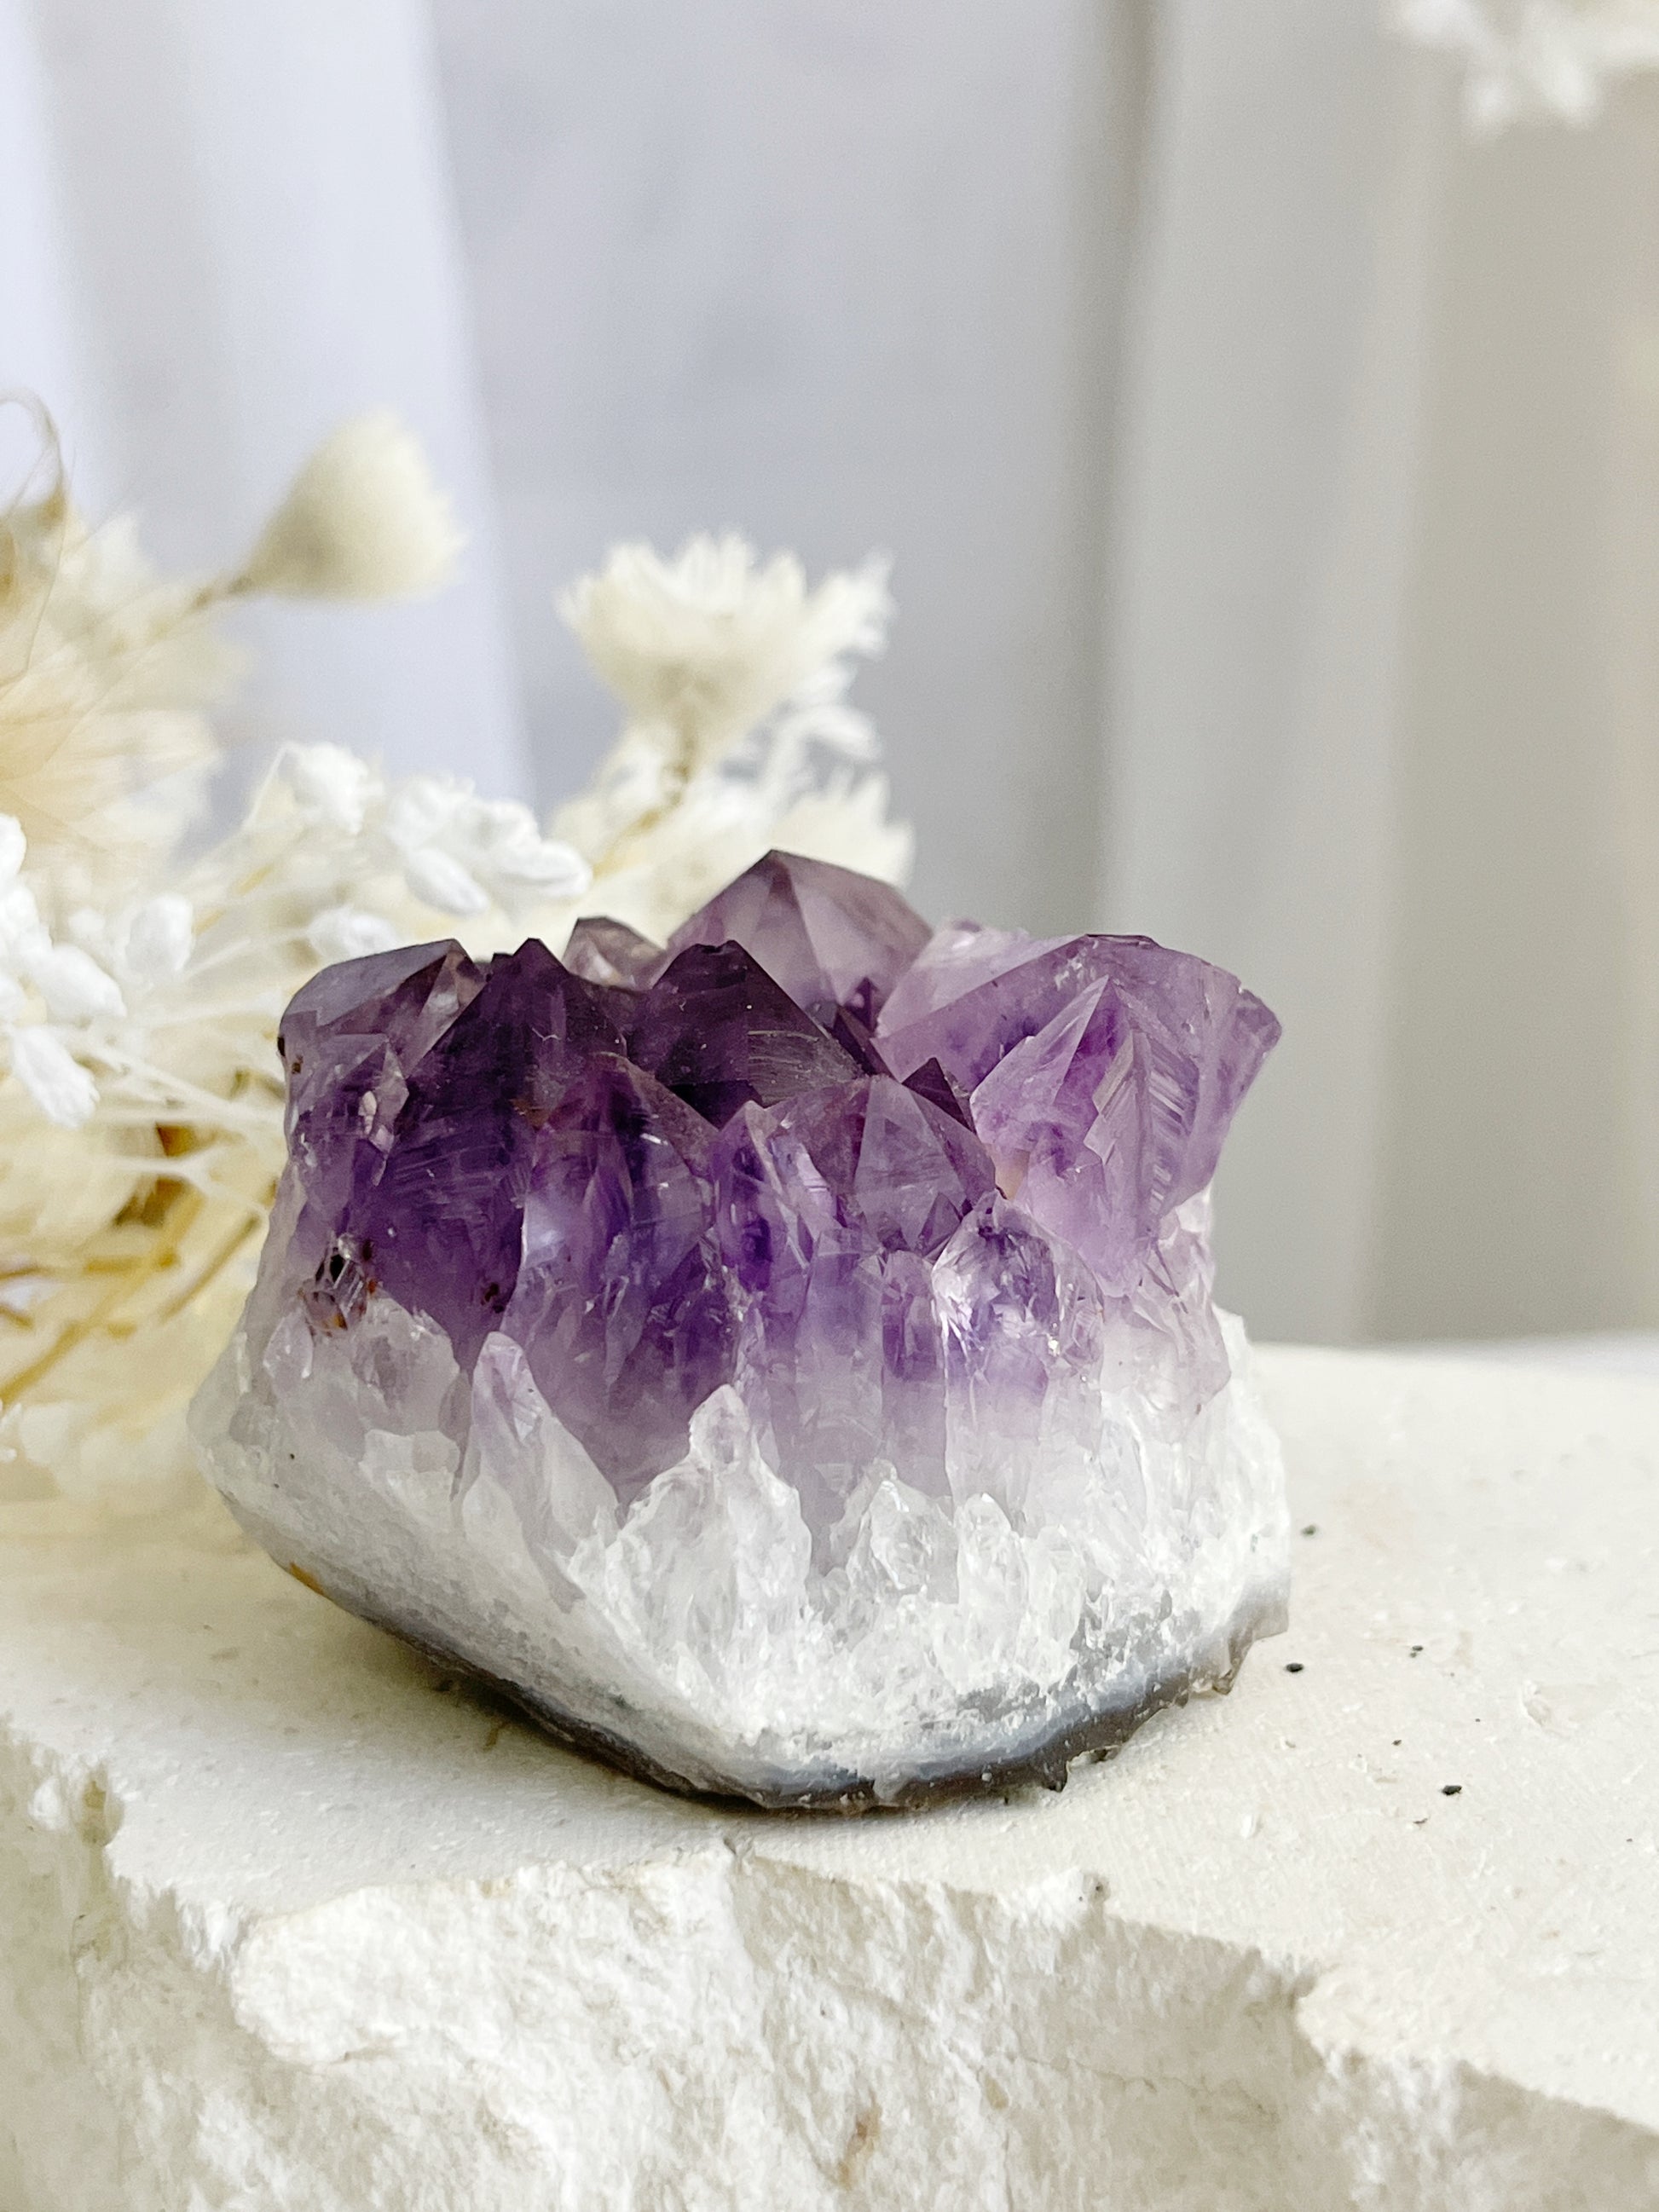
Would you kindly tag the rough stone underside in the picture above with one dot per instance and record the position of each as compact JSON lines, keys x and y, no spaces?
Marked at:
{"x":783,"y":1361}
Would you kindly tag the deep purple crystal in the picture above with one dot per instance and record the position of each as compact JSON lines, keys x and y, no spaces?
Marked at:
{"x":441,"y":1226}
{"x":830,"y":938}
{"x":863,"y":1175}
{"x":606,"y":951}
{"x":348,"y":1039}
{"x":620,"y":1299}
{"x":715,"y":1028}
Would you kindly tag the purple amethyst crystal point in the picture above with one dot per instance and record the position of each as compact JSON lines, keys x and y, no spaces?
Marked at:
{"x":786,"y":1362}
{"x":958,"y":958}
{"x":620,"y":1302}
{"x":376,"y":1016}
{"x":442,"y":1227}
{"x":716,"y":1030}
{"x":828,"y":1206}
{"x":349,"y":1041}
{"x":821,"y":932}
{"x":856,"y":1038}
{"x":930,"y":1081}
{"x":610,"y":952}
{"x":1104,"y":1073}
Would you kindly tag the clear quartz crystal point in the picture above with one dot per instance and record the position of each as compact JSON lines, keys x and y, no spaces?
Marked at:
{"x":783,"y":1361}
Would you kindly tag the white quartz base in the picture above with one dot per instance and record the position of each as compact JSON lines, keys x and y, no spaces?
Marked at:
{"x":290,"y":1923}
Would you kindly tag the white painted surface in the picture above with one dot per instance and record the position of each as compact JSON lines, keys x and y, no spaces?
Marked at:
{"x":287,"y":1923}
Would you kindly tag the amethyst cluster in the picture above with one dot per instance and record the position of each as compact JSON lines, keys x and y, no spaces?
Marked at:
{"x":784,"y":1360}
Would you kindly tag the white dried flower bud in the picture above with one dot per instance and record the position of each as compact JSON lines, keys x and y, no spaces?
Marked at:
{"x":440,"y":880}
{"x":505,"y":845}
{"x":59,"y":1085}
{"x":348,"y":932}
{"x":334,"y":785}
{"x":23,"y":936}
{"x":456,"y":847}
{"x":363,"y":520}
{"x":422,"y":808}
{"x":74,"y":988}
{"x":159,"y":935}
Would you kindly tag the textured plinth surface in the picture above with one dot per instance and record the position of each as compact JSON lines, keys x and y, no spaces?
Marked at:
{"x":289,"y":1923}
{"x":785,"y":1359}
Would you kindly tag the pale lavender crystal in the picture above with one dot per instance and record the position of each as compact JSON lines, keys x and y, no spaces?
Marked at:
{"x":606,"y":951}
{"x":1103,"y":1073}
{"x":784,"y":1359}
{"x":347,"y":1041}
{"x":831,"y":1207}
{"x":828,"y":937}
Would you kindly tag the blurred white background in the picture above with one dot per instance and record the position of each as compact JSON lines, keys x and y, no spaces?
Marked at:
{"x":1271,"y":469}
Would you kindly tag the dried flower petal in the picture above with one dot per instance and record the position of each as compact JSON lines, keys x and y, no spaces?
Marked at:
{"x":331,"y":784}
{"x":59,"y":1085}
{"x":159,"y":935}
{"x":74,"y":988}
{"x":349,"y":932}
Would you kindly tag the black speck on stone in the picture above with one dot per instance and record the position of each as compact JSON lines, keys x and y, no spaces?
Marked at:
{"x":1292,"y":1666}
{"x":1451,"y":1790}
{"x":1312,"y":1529}
{"x":1416,"y":1647}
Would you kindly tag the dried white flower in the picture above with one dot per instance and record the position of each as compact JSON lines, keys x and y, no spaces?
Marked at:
{"x":348,"y":932}
{"x":157,"y":937}
{"x":1536,"y":57}
{"x":706,"y":646}
{"x":736,"y":678}
{"x":103,"y":671}
{"x":53,"y":1078}
{"x":74,"y":988}
{"x":333,"y":787}
{"x":363,"y":519}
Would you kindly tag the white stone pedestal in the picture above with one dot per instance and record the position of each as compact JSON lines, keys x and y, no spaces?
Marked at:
{"x":290,"y":1923}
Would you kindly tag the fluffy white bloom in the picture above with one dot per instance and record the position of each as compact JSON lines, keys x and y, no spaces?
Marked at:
{"x":348,"y":932}
{"x":741,"y":738}
{"x":438,"y":877}
{"x":74,"y":988}
{"x":363,"y":520}
{"x":157,"y":936}
{"x":334,"y":788}
{"x":463,"y":854}
{"x":708,"y":645}
{"x":53,"y":1078}
{"x":1536,"y":57}
{"x":23,"y":936}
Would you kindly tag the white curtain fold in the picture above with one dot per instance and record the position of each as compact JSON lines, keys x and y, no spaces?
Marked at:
{"x":225,"y":229}
{"x":1262,"y":517}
